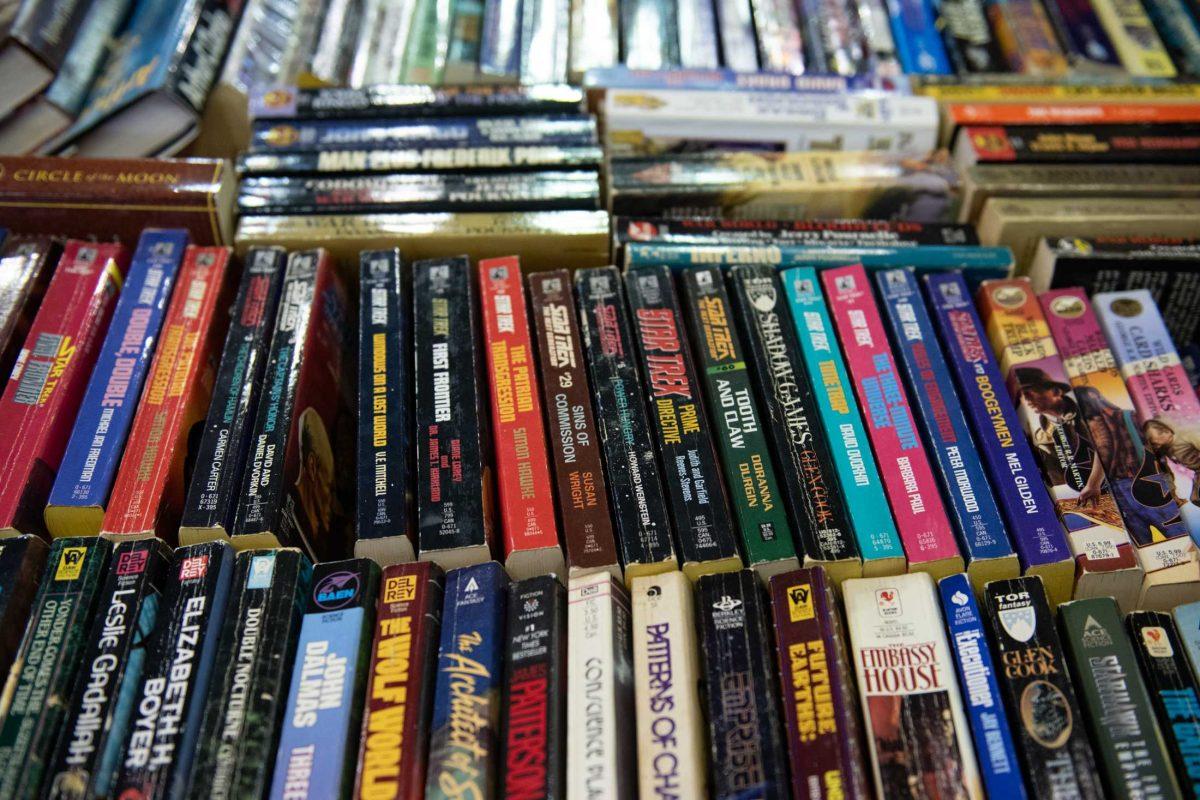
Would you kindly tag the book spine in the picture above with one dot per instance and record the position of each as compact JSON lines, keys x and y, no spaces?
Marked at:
{"x":160,"y":747}
{"x":148,"y":492}
{"x":1172,"y":687}
{"x":198,"y":58}
{"x":601,"y":753}
{"x":270,"y":136}
{"x":51,"y":373}
{"x":811,"y":493}
{"x":243,"y":712}
{"x":1106,"y":672}
{"x":1033,"y":678}
{"x":534,"y":702}
{"x":385,"y":413}
{"x":453,"y":469}
{"x":1179,"y":28}
{"x":398,"y":707}
{"x":874,"y":528}
{"x":43,"y":673}
{"x":318,"y":746}
{"x":500,"y":42}
{"x":1144,"y":144}
{"x":698,"y":37}
{"x":106,"y":412}
{"x":666,"y":673}
{"x":704,"y":528}
{"x":747,"y":750}
{"x":917,"y":506}
{"x":970,"y":44}
{"x":1026,"y":37}
{"x":1168,"y":409}
{"x":917,"y":40}
{"x":30,"y":262}
{"x":47,"y":31}
{"x":396,"y":101}
{"x":735,"y":26}
{"x":636,"y":494}
{"x":211,"y":501}
{"x":1036,"y":531}
{"x":431,"y":159}
{"x":1049,"y":412}
{"x":594,"y":41}
{"x":22,"y":561}
{"x":780,"y":42}
{"x":762,"y":521}
{"x":911,"y":700}
{"x":817,"y":684}
{"x":1135,"y":38}
{"x":649,"y":34}
{"x":1187,"y":621}
{"x":465,"y":735}
{"x":834,"y":43}
{"x":816,"y":232}
{"x":584,"y":511}
{"x":976,"y":516}
{"x":984,"y":704}
{"x":526,"y":501}
{"x":101,"y":705}
{"x":1084,"y":41}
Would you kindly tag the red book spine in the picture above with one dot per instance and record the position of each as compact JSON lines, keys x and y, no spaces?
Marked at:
{"x":43,"y":393}
{"x":148,"y":494}
{"x":522,"y":467}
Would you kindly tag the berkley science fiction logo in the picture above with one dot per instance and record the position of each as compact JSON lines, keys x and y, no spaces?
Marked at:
{"x":336,"y":591}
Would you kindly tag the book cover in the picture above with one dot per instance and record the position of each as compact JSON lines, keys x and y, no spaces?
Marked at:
{"x":243,"y":710}
{"x":1033,"y":526}
{"x":917,"y":506}
{"x":385,"y":464}
{"x":523,"y":485}
{"x":27,"y":263}
{"x":43,"y":392}
{"x":636,"y":494}
{"x":1047,"y":724}
{"x":293,"y":492}
{"x":1115,"y":701}
{"x":534,"y":699}
{"x":102,"y":705}
{"x":584,"y":512}
{"x":319,"y":743}
{"x":984,"y":704}
{"x":22,"y":560}
{"x":564,"y":130}
{"x":160,"y":744}
{"x":211,"y":502}
{"x":454,"y":471}
{"x":811,"y":494}
{"x":399,"y":698}
{"x":917,"y":730}
{"x":43,"y":674}
{"x":666,"y":673}
{"x":80,"y":493}
{"x":392,"y":101}
{"x":943,"y":426}
{"x":857,"y":471}
{"x":1062,"y":441}
{"x":824,"y":732}
{"x":762,"y":521}
{"x":747,"y":754}
{"x":600,"y":749}
{"x":464,"y":738}
{"x":149,"y":488}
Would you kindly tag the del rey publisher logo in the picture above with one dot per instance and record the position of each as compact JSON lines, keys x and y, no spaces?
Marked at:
{"x":887,"y":602}
{"x":192,"y":568}
{"x":132,"y":563}
{"x":336,"y":591}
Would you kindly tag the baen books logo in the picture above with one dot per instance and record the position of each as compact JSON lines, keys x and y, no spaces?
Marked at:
{"x":336,"y":591}
{"x":800,"y":602}
{"x":727,"y":604}
{"x":887,"y":602}
{"x":402,"y":589}
{"x":70,"y":563}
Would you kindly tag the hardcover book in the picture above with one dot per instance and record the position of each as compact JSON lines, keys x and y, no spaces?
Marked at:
{"x":37,"y":37}
{"x":704,"y":528}
{"x":80,"y":493}
{"x":211,"y":503}
{"x":824,"y":732}
{"x":22,"y":560}
{"x":399,"y":700}
{"x":857,"y":471}
{"x":454,"y":473}
{"x":523,"y":486}
{"x":465,"y":735}
{"x":27,"y":263}
{"x":636,"y":493}
{"x":584,"y":512}
{"x":917,"y":731}
{"x":1034,"y":527}
{"x":44,"y":390}
{"x":319,"y":744}
{"x":908,"y":479}
{"x":385,"y":465}
{"x":243,"y":710}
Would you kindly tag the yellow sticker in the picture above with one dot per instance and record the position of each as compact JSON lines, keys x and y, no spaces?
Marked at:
{"x":400,"y":590}
{"x":70,"y":563}
{"x":800,"y":603}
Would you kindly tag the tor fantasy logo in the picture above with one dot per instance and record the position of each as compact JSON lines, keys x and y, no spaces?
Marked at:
{"x":336,"y":590}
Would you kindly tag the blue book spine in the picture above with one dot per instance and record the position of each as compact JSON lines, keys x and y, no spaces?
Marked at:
{"x":93,"y":452}
{"x":973,"y":509}
{"x":1032,"y":521}
{"x":1180,"y":30}
{"x":1187,"y":623}
{"x":918,"y":42}
{"x":984,"y":705}
{"x":859,"y":476}
{"x":464,"y":738}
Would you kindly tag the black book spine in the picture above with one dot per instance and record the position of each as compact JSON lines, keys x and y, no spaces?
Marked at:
{"x":395,"y":101}
{"x":21,"y":562}
{"x":201,"y":53}
{"x":509,"y":158}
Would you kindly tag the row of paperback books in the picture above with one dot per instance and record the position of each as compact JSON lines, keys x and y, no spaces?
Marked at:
{"x":203,"y":673}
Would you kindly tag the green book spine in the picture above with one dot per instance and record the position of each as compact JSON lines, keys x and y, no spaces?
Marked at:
{"x":1130,"y":751}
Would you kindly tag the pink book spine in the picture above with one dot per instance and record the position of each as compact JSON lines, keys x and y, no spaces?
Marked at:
{"x":908,"y":477}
